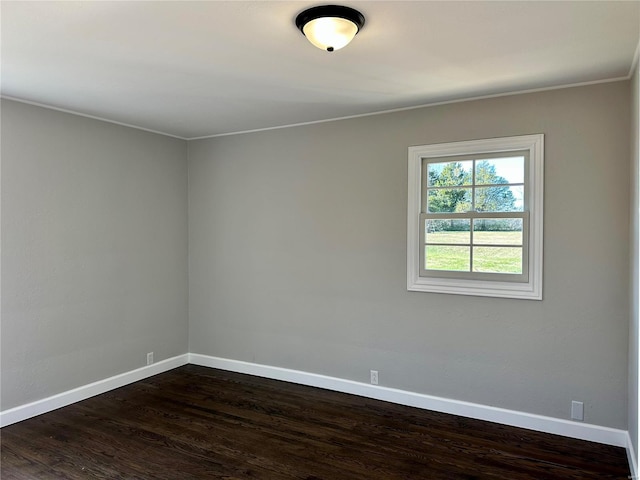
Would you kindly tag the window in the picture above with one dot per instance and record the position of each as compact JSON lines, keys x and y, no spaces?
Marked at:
{"x":475,"y":217}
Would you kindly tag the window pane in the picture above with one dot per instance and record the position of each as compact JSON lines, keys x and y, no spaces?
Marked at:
{"x":499,"y":199}
{"x":450,"y":174}
{"x":500,"y":170}
{"x":448,"y":200}
{"x":453,"y":259}
{"x":497,"y":231}
{"x":448,"y":231}
{"x":497,"y":259}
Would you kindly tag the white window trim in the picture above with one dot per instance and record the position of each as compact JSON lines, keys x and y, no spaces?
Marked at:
{"x":532,"y":289}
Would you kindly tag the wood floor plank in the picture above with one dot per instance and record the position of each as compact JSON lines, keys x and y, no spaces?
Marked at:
{"x":201,"y":423}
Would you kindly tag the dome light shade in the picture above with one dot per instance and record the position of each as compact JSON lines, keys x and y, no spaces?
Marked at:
{"x":330,"y":27}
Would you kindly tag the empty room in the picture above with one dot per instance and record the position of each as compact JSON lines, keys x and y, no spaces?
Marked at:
{"x":295,"y":240}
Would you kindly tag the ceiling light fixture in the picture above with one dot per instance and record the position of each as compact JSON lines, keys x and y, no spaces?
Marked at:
{"x":330,"y":27}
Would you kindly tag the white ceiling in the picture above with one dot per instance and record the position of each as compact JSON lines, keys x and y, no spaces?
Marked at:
{"x":193,"y":69}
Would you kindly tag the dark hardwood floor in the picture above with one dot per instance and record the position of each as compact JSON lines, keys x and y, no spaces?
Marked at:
{"x":200,"y":423}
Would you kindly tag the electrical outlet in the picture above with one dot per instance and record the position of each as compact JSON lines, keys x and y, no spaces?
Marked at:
{"x":577,"y":411}
{"x":149,"y":358}
{"x":374,"y":377}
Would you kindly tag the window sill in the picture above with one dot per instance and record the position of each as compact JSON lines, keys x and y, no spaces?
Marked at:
{"x":526,"y":291}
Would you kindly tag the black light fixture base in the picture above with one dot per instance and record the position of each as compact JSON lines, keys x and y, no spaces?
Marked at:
{"x":329,"y":11}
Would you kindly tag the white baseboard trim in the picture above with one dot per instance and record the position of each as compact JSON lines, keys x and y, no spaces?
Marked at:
{"x":631,"y":456}
{"x":22,"y":412}
{"x":582,"y":431}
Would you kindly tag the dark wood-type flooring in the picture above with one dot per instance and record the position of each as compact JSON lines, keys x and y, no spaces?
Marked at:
{"x":201,"y":423}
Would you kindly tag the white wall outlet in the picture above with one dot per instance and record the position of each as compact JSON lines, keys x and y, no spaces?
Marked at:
{"x":374,"y":377}
{"x":149,"y":358}
{"x":577,"y":411}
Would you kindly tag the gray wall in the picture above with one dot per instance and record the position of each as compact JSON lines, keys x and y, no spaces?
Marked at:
{"x":297,"y":257}
{"x":635,"y":244}
{"x":94,"y":250}
{"x":297,"y":243}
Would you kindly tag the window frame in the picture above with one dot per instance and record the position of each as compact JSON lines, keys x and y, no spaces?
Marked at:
{"x":473,"y":214}
{"x":480,"y":284}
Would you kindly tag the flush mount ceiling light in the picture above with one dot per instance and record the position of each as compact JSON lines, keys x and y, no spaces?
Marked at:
{"x":330,"y":27}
